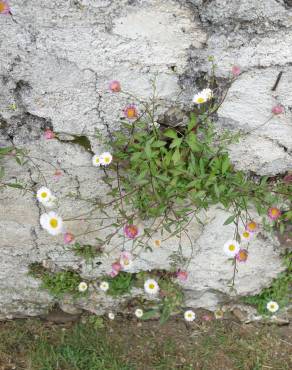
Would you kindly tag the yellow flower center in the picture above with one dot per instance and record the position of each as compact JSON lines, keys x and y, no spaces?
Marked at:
{"x":252,"y":225}
{"x":131,"y":113}
{"x":189,"y":315}
{"x":157,"y":243}
{"x":201,"y":100}
{"x":106,"y":159}
{"x":126,"y":262}
{"x":232,"y":247}
{"x":272,"y":306}
{"x":44,"y":194}
{"x":151,"y":286}
{"x":97,"y":160}
{"x":54,"y":223}
{"x":274,"y":211}
{"x":245,"y":234}
{"x":2,"y":6}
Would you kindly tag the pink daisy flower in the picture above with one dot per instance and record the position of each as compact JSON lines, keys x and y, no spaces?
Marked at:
{"x":131,"y":112}
{"x":288,"y":178}
{"x":131,"y":231}
{"x":116,"y":268}
{"x":4,"y":7}
{"x":251,"y":226}
{"x":57,"y":175}
{"x":242,"y":255}
{"x":115,"y":86}
{"x":126,"y":260}
{"x":182,"y":275}
{"x":274,"y":213}
{"x":278,"y":109}
{"x":68,"y":238}
{"x":49,"y":134}
{"x":235,"y":71}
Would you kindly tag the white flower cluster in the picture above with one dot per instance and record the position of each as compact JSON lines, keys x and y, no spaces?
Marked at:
{"x":102,"y":160}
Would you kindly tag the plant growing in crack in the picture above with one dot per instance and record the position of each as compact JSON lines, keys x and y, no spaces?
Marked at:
{"x":159,"y":180}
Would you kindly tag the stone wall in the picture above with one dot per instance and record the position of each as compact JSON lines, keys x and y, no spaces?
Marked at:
{"x":56,"y":61}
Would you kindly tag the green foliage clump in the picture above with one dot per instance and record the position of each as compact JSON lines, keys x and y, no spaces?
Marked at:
{"x":120,"y":284}
{"x":58,"y":283}
{"x":279,"y":291}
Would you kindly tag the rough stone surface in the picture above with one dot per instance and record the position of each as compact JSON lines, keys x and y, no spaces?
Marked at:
{"x":56,"y":61}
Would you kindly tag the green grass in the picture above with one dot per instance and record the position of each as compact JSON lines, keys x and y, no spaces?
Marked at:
{"x":127,"y":345}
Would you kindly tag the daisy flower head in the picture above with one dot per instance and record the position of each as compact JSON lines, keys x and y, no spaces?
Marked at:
{"x":82,"y":287}
{"x":111,"y":316}
{"x":52,"y":223}
{"x":157,"y":243}
{"x":219,"y":314}
{"x":189,"y":315}
{"x":43,"y":195}
{"x":96,"y":160}
{"x":274,"y":213}
{"x":126,"y":260}
{"x":104,"y":286}
{"x":49,"y":134}
{"x":231,"y":248}
{"x":199,"y":98}
{"x":115,"y":86}
{"x":251,"y":226}
{"x":182,"y":275}
{"x":272,"y":306}
{"x":242,"y":255}
{"x":4,"y":7}
{"x":106,"y":158}
{"x":151,"y":286}
{"x":131,"y":231}
{"x":246,"y":235}
{"x":139,"y":313}
{"x":68,"y":238}
{"x":278,"y":109}
{"x":235,"y":71}
{"x":131,"y":111}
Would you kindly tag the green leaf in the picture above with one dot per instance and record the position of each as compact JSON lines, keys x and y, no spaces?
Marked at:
{"x":158,"y":144}
{"x":149,"y":314}
{"x":225,"y":165}
{"x":229,"y":220}
{"x":6,"y":150}
{"x":176,"y":143}
{"x":170,"y":133}
{"x":193,"y":142}
{"x":176,"y":156}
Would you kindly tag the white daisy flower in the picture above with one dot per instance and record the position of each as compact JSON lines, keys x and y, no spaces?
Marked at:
{"x":231,"y":248}
{"x":219,"y":314}
{"x":200,"y":98}
{"x":189,"y":315}
{"x":96,"y":161}
{"x":151,"y":286}
{"x":246,"y":235}
{"x":139,"y":313}
{"x":82,"y":287}
{"x":104,"y":286}
{"x":272,"y":306}
{"x":111,"y":316}
{"x":44,"y":195}
{"x":106,"y":158}
{"x":208,"y":93}
{"x":52,"y":223}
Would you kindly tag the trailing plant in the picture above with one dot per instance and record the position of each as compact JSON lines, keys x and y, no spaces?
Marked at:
{"x":86,"y":251}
